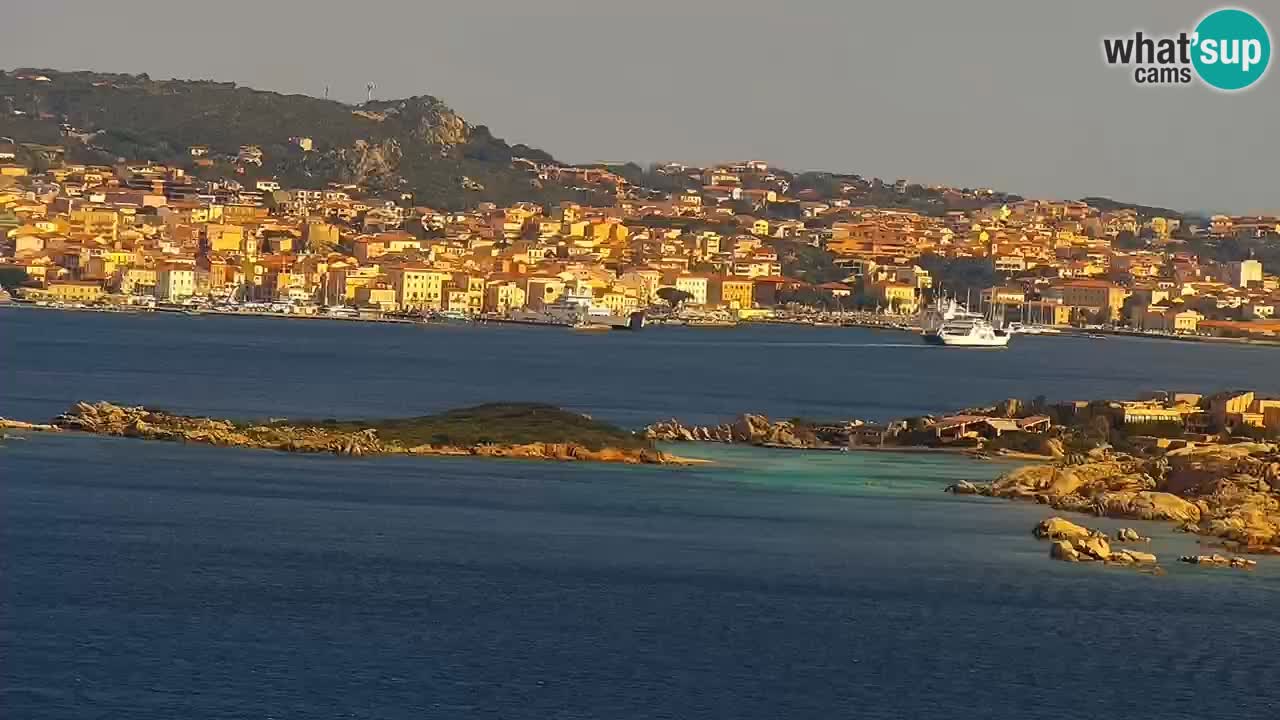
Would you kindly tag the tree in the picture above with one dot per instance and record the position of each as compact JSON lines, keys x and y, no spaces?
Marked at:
{"x":1126,"y":240}
{"x":959,"y":277}
{"x":674,"y":296}
{"x":12,"y":277}
{"x":807,"y":296}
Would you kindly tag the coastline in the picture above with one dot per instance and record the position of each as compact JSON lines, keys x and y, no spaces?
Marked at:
{"x":357,"y":438}
{"x":1075,"y":333}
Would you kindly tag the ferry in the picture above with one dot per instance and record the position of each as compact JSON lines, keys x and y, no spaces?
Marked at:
{"x":969,"y":333}
{"x":577,"y":310}
{"x":954,"y":325}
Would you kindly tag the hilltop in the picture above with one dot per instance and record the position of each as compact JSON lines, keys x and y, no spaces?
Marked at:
{"x":417,"y":145}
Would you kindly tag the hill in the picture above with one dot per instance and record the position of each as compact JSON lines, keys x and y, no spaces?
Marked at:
{"x":417,"y":144}
{"x":1145,"y":211}
{"x":502,"y":423}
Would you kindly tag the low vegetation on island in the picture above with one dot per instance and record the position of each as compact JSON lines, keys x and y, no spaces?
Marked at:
{"x":515,"y":430}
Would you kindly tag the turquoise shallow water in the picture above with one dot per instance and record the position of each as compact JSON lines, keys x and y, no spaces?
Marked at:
{"x":153,"y":580}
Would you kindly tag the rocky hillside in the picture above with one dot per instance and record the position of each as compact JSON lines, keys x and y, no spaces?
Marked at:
{"x":416,"y":144}
{"x":1231,"y":492}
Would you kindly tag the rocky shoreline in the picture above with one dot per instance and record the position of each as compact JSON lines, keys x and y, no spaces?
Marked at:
{"x":1075,"y":543}
{"x":798,"y":434}
{"x":1227,"y":492}
{"x":746,"y":428}
{"x":104,"y":418}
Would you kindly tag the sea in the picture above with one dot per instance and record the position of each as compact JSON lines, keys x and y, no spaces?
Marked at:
{"x":156,"y":580}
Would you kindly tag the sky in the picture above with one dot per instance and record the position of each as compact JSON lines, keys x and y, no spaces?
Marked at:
{"x":1008,"y":94}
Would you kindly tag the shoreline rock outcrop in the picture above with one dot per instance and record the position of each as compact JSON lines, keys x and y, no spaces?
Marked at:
{"x":1070,"y":542}
{"x":1230,"y":492}
{"x":105,"y":418}
{"x":746,"y":428}
{"x":1216,"y":560}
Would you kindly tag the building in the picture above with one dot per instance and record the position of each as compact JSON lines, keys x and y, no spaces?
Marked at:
{"x":1099,"y":296}
{"x":220,"y":238}
{"x":379,"y":296}
{"x":419,"y":288}
{"x":1169,"y":319}
{"x":894,"y":297}
{"x":735,"y":293}
{"x":319,"y":236}
{"x":696,"y":285}
{"x":502,"y":297}
{"x":76,"y":291}
{"x":97,"y":222}
{"x":175,"y":283}
{"x":1244,"y":273}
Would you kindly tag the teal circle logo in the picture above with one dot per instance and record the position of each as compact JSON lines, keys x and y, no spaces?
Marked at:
{"x":1232,"y":49}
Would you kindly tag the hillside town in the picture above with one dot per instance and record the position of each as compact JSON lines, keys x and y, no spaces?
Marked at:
{"x":738,"y":241}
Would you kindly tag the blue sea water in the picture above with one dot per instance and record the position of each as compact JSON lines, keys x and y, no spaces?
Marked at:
{"x":263,"y":367}
{"x":150,"y":580}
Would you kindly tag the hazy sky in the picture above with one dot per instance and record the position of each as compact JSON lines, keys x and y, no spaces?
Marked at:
{"x":1011,"y":94}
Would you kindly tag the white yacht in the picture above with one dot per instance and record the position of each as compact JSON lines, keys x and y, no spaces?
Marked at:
{"x":952,"y":324}
{"x":969,"y":333}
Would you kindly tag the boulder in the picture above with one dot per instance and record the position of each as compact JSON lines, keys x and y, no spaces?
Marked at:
{"x":964,"y":487}
{"x":1063,"y":550}
{"x":1070,"y":503}
{"x":1128,"y":556}
{"x":750,"y":428}
{"x":1193,"y":470}
{"x":1252,"y":524}
{"x":1147,"y":505}
{"x":1130,"y":535}
{"x":1056,"y":528}
{"x":1095,"y":546}
{"x":1217,"y":560}
{"x":1052,"y":447}
{"x":1083,"y":479}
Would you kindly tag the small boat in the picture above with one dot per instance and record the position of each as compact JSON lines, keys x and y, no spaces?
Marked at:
{"x":711,"y":323}
{"x":447,"y":317}
{"x":592,"y":327}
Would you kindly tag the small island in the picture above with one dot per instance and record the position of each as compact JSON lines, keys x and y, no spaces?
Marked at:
{"x":528,"y":431}
{"x":1207,"y":463}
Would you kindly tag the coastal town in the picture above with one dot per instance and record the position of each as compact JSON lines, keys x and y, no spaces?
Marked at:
{"x":715,"y":245}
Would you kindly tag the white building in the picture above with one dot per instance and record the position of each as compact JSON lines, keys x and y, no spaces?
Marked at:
{"x":175,"y":283}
